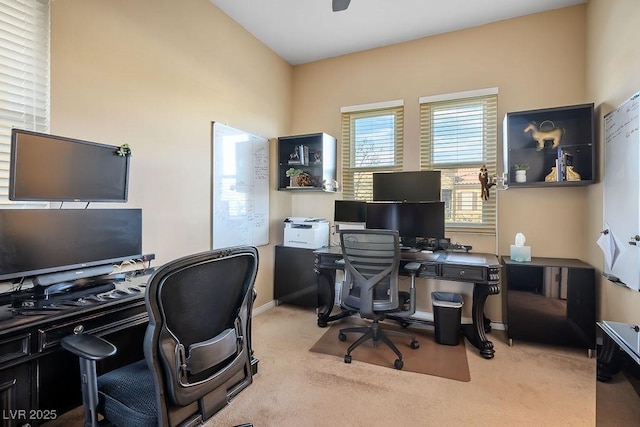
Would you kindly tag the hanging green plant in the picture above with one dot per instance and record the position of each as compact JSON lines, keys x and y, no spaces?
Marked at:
{"x":123,"y":150}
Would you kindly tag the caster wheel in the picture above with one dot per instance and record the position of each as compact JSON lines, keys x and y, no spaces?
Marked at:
{"x":415,"y":344}
{"x":347,"y":358}
{"x":342,"y":337}
{"x":398,"y":364}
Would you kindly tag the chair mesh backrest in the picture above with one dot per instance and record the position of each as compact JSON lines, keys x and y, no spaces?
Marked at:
{"x":191,"y":301}
{"x":372,"y":260}
{"x":202,"y":300}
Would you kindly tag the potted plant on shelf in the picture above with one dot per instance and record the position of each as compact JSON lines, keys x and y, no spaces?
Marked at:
{"x":521,"y":171}
{"x":293,"y":174}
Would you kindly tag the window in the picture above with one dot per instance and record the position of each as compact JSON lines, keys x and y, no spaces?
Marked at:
{"x":24,"y":74}
{"x":458,"y":135}
{"x":372,"y":137}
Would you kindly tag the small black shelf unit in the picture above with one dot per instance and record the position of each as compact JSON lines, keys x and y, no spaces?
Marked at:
{"x":314,"y":155}
{"x":575,"y":153}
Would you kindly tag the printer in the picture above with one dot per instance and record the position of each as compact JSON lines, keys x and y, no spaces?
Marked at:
{"x":306,"y":232}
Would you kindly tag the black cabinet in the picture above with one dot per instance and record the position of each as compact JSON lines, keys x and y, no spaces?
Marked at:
{"x":295,"y":281}
{"x":550,"y":300}
{"x":307,"y":163}
{"x":550,"y":147}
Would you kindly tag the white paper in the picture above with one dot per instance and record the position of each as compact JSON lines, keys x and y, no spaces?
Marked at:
{"x":607,"y":243}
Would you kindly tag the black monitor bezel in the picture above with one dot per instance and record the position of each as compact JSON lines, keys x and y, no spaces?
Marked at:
{"x":133,"y":215}
{"x":14,"y":166}
{"x":391,"y":216}
{"x":407,"y":186}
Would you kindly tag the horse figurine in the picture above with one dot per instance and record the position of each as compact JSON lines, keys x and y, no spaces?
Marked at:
{"x":554,"y":134}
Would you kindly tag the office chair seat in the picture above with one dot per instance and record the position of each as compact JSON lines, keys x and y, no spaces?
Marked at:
{"x":127,"y":399}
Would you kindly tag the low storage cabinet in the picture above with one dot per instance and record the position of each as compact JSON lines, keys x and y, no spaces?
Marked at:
{"x":550,"y":300}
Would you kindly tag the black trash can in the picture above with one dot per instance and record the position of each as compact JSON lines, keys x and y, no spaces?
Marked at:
{"x":447,"y":314}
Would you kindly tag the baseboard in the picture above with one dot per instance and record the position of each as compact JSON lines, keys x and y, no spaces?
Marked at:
{"x":420,"y":315}
{"x":266,"y":307}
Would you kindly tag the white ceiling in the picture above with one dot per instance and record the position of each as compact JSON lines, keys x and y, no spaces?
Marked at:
{"x":302,"y":31}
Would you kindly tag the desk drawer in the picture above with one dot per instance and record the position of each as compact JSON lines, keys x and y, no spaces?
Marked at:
{"x":15,"y":347}
{"x":428,"y":269}
{"x":464,"y":273}
{"x":101,"y":324}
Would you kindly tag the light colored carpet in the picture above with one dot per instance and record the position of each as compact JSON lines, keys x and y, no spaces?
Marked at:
{"x":430,"y":358}
{"x":524,"y":385}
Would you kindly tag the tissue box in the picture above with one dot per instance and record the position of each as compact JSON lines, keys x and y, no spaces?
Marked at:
{"x":521,"y":253}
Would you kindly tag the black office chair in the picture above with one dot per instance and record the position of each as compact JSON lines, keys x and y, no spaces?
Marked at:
{"x":372,"y":262}
{"x":197,"y":345}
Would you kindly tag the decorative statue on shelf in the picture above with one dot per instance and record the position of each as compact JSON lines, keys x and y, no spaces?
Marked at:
{"x":485,"y":182}
{"x":546,"y":132}
{"x":571,"y":175}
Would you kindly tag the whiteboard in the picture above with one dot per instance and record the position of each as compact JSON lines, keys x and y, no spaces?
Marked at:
{"x":240,"y":202}
{"x":621,"y":194}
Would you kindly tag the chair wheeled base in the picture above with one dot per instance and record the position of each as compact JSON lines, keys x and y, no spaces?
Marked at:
{"x":375,"y":333}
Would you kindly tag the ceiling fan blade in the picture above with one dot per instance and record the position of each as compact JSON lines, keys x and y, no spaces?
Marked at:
{"x":339,"y":5}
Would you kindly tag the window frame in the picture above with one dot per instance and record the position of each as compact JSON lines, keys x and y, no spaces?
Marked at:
{"x":488,"y":99}
{"x":351,"y":190}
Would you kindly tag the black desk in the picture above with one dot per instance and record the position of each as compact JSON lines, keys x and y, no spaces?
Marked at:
{"x":483,"y":270}
{"x":38,"y":380}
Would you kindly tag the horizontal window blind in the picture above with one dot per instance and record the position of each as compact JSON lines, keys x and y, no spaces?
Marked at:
{"x":24,"y":74}
{"x":458,"y":137}
{"x":371,"y":142}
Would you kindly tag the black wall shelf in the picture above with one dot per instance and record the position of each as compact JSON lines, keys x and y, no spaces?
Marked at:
{"x":314,"y":155}
{"x":575,"y":153}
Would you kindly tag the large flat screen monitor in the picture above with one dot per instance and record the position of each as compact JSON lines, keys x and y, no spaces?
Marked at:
{"x":412,"y":220}
{"x":414,"y":186}
{"x":54,"y":168}
{"x":40,"y":241}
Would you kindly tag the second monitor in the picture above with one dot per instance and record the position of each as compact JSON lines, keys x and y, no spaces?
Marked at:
{"x":414,"y":221}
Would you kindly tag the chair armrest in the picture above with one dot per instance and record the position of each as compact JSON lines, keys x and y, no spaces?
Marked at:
{"x":88,"y":346}
{"x":412,"y":267}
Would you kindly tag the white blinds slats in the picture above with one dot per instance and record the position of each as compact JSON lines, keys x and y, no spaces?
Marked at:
{"x":24,"y":74}
{"x":372,"y":142}
{"x":458,"y":137}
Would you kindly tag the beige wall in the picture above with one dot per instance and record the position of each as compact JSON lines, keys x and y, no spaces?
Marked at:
{"x":155,"y":74}
{"x":613,"y":75}
{"x":536,"y":61}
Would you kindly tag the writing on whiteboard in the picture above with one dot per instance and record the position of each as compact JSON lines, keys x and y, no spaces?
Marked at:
{"x":623,"y":120}
{"x":240,"y":211}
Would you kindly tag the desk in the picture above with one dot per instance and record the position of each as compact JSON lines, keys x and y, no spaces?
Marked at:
{"x":483,"y":270}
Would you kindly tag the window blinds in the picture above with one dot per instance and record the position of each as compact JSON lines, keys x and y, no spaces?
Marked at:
{"x":372,"y":141}
{"x":458,"y":137}
{"x":24,"y":74}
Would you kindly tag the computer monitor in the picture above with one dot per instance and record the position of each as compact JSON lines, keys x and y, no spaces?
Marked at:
{"x":412,"y":186}
{"x":414,"y":221}
{"x":350,"y":211}
{"x":41,"y":241}
{"x":55,"y":168}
